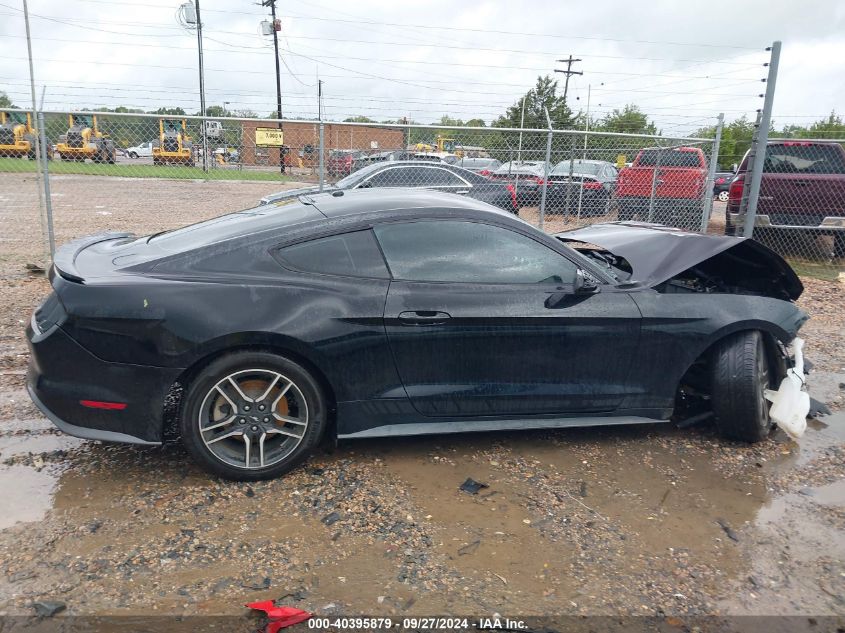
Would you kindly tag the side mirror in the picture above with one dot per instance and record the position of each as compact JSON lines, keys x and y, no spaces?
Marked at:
{"x":582,"y":285}
{"x":581,"y":289}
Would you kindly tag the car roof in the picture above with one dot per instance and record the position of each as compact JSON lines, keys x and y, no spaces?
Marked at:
{"x":398,"y":201}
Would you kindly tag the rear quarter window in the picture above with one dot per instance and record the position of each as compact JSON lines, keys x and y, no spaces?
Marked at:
{"x":350,"y":255}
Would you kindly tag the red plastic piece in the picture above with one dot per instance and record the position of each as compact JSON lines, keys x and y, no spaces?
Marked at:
{"x":280,"y":617}
{"x":99,"y":404}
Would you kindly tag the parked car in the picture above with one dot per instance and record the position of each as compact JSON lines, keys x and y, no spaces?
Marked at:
{"x":481,"y":166}
{"x":424,"y":175}
{"x":379,"y":157}
{"x":678,"y":187}
{"x":722,"y":185}
{"x":526,"y":176}
{"x":436,"y":157}
{"x":581,"y":187}
{"x":802,"y":191}
{"x":340,"y":161}
{"x":386,"y":313}
{"x":144,"y":150}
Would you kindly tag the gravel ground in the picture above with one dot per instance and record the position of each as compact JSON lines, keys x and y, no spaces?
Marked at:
{"x":643,"y":520}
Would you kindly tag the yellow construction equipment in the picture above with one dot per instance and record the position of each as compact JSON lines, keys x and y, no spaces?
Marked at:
{"x":441,"y":144}
{"x":174,"y":146}
{"x":84,"y":140}
{"x":17,"y":136}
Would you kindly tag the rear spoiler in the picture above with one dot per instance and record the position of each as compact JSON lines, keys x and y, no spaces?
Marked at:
{"x":64,"y":261}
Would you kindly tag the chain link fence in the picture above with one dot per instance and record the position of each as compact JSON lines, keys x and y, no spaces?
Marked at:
{"x":148,"y":173}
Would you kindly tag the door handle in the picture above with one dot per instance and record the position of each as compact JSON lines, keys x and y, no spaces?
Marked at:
{"x":463,"y":191}
{"x":423,"y":317}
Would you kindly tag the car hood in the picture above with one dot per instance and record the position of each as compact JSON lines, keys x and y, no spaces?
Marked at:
{"x":287,"y":194}
{"x":658,"y":253}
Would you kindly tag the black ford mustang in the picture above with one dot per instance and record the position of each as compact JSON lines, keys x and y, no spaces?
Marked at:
{"x":370,"y":313}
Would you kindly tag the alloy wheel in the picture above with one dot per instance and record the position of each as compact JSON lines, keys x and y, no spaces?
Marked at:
{"x":253,"y":418}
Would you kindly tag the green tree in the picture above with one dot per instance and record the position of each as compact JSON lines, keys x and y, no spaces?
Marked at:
{"x":176,"y":111}
{"x":5,"y":102}
{"x":358,"y":119}
{"x":542,"y":96}
{"x":630,"y":120}
{"x":736,"y":140}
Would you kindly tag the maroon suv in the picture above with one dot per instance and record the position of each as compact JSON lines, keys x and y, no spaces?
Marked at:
{"x":802,"y":190}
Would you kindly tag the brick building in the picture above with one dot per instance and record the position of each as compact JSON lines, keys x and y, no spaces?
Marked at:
{"x":303,"y":139}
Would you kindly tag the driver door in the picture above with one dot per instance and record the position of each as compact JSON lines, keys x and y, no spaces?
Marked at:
{"x":485,"y":321}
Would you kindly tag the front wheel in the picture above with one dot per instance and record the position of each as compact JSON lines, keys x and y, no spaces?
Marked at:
{"x":252,"y":415}
{"x":723,"y":196}
{"x":740,"y":375}
{"x":133,"y":155}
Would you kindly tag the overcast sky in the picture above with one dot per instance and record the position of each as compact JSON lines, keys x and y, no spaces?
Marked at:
{"x":681,"y":62}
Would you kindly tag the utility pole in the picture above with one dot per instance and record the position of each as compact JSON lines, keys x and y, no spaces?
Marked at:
{"x":189,"y":17}
{"x":272,"y":5}
{"x":202,"y":90}
{"x":568,"y":72}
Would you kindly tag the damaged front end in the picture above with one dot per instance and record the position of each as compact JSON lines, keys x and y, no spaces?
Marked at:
{"x":670,"y":260}
{"x":654,"y":258}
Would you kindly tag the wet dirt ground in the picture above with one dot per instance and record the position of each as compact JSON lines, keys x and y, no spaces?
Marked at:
{"x":648,"y":520}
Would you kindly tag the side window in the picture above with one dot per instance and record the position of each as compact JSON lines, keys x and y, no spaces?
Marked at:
{"x":433,"y":177}
{"x":351,"y":255}
{"x":457,"y":251}
{"x":395,"y":177}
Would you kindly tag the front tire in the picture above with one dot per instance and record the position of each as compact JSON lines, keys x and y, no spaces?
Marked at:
{"x":740,"y":376}
{"x":723,"y":196}
{"x":252,"y":415}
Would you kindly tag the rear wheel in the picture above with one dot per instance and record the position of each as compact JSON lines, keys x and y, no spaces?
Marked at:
{"x":740,"y":376}
{"x":133,"y":155}
{"x":252,"y":415}
{"x":723,"y":196}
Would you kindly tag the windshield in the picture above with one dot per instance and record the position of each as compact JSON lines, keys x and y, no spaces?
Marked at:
{"x":668,"y":158}
{"x":16,"y":117}
{"x":82,"y":121}
{"x":520,"y":168}
{"x":578,"y":167}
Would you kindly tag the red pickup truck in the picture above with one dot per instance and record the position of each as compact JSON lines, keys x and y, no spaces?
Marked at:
{"x":802,"y":191}
{"x":678,"y":187}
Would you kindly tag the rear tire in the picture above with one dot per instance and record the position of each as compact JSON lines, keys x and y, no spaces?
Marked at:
{"x":740,"y":375}
{"x":296,"y":397}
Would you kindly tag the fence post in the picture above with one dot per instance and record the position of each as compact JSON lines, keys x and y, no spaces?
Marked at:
{"x":760,"y":142}
{"x":711,"y":176}
{"x":45,"y":161}
{"x":546,"y":169}
{"x":654,"y":178}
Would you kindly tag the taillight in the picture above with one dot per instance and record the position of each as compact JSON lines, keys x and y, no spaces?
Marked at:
{"x":591,"y":184}
{"x":539,"y":180}
{"x":486,"y":173}
{"x":512,"y":190}
{"x":735,"y":191}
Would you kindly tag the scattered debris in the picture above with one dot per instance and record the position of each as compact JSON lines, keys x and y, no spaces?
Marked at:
{"x":48,"y":608}
{"x":469,"y":548}
{"x":728,"y":530}
{"x":35,"y":269}
{"x":257,"y":583}
{"x":818,"y":408}
{"x":330,"y":519}
{"x":472,"y":487}
{"x":583,"y":489}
